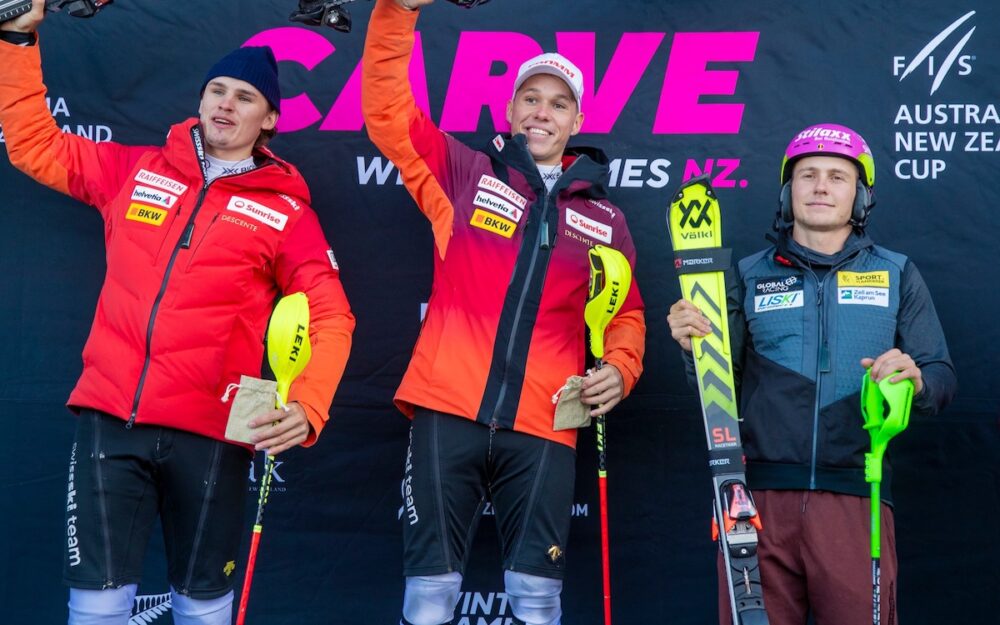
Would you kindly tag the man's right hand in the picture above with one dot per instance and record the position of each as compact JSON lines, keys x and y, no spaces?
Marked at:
{"x":27,"y":23}
{"x":410,"y":5}
{"x":685,"y":321}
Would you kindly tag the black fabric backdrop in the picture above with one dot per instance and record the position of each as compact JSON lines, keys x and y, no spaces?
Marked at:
{"x":331,"y":547}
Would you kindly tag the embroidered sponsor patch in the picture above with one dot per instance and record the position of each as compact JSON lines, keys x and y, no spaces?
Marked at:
{"x":879,"y":279}
{"x":291,"y":201}
{"x":777,"y":284}
{"x":146,"y":214}
{"x":496,"y":186}
{"x":576,"y":236}
{"x":604,"y":207}
{"x":590,"y":227}
{"x":333,"y":260}
{"x":149,"y":195}
{"x":261,"y":213}
{"x":487,"y":221}
{"x":777,"y":301}
{"x":242,"y":223}
{"x":161,"y":182}
{"x":498,"y":205}
{"x":867,"y":296}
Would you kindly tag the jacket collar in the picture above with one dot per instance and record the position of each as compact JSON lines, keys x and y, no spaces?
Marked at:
{"x":184,"y":151}
{"x":787,"y":249}
{"x":585,"y":170}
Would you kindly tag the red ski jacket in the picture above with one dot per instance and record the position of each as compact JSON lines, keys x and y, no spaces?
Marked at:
{"x":193,"y":270}
{"x":504,"y":326}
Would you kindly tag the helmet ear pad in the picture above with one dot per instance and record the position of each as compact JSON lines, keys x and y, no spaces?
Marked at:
{"x":785,"y":203}
{"x":863,"y":202}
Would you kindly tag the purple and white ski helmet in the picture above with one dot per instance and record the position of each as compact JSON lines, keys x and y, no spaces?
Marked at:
{"x":830,"y":140}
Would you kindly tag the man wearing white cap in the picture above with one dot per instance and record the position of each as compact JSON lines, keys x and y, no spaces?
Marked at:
{"x":504,"y":328}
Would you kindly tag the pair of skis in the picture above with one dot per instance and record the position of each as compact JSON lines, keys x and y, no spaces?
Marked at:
{"x":700,"y":260}
{"x":696,"y":234}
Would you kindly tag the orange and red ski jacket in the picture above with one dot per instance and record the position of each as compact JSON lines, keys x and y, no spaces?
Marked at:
{"x":504,"y":327}
{"x":193,"y":270}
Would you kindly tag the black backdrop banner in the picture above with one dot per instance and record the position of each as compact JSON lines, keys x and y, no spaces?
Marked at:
{"x":674,"y":88}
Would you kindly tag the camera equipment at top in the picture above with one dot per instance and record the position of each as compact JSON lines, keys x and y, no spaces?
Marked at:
{"x":10,"y":9}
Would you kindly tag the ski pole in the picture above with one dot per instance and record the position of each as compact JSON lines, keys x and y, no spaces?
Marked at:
{"x":885,"y":408}
{"x":610,"y":280}
{"x":288,"y":352}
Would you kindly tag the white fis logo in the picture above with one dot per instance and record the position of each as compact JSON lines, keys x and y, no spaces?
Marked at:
{"x":964,"y":60}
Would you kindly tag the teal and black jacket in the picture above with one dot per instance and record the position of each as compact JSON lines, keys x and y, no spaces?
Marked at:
{"x":800,"y":323}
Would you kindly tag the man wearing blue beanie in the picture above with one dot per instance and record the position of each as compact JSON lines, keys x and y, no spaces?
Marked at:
{"x":202,"y":235}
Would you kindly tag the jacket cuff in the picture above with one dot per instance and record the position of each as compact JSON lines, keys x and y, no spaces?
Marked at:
{"x":629,"y":372}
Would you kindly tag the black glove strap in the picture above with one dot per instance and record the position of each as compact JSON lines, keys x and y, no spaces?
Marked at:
{"x":18,"y":39}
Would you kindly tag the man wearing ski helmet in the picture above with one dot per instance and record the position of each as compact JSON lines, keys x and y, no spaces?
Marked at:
{"x":504,"y":327}
{"x":849,"y":305}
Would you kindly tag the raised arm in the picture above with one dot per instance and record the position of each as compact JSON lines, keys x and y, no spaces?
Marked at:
{"x":395,"y":125}
{"x":90,"y":172}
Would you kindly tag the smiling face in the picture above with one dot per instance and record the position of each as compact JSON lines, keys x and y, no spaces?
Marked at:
{"x":546,"y":113}
{"x":233,"y":113}
{"x":823,"y":190}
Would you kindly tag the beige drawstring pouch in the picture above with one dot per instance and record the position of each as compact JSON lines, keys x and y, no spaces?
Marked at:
{"x":570,"y":411}
{"x":254,"y":397}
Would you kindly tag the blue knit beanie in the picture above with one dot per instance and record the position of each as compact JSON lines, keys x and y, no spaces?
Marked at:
{"x":255,"y":65}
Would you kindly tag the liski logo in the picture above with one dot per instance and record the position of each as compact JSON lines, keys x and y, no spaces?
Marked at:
{"x":939,"y":69}
{"x":148,"y":608}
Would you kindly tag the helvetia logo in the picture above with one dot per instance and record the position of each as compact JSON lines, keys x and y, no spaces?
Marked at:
{"x":939,"y":70}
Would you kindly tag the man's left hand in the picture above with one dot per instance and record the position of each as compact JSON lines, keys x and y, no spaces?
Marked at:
{"x":889,"y":363}
{"x":280,"y":430}
{"x":603,"y":388}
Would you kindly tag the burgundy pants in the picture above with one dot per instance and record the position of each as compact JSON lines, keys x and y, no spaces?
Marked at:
{"x":815,"y":556}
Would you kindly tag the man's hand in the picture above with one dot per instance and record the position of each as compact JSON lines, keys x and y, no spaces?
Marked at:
{"x":280,"y":430}
{"x":603,"y":388}
{"x":29,"y":22}
{"x":685,"y":321}
{"x":413,"y":5}
{"x":889,"y":363}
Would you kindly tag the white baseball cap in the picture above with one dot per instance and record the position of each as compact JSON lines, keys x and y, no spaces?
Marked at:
{"x":557,"y":65}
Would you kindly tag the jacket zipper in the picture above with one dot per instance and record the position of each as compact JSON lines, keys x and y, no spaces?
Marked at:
{"x":183,"y":243}
{"x":542,"y":243}
{"x":821,"y":355}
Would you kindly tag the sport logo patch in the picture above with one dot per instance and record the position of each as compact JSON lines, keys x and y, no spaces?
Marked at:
{"x":499,"y":143}
{"x":496,"y":186}
{"x":486,"y":221}
{"x":498,"y":205}
{"x":162,"y":182}
{"x":865,"y":296}
{"x":259,"y":212}
{"x":877,"y":279}
{"x":590,"y":227}
{"x":146,"y":214}
{"x":150,"y":195}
